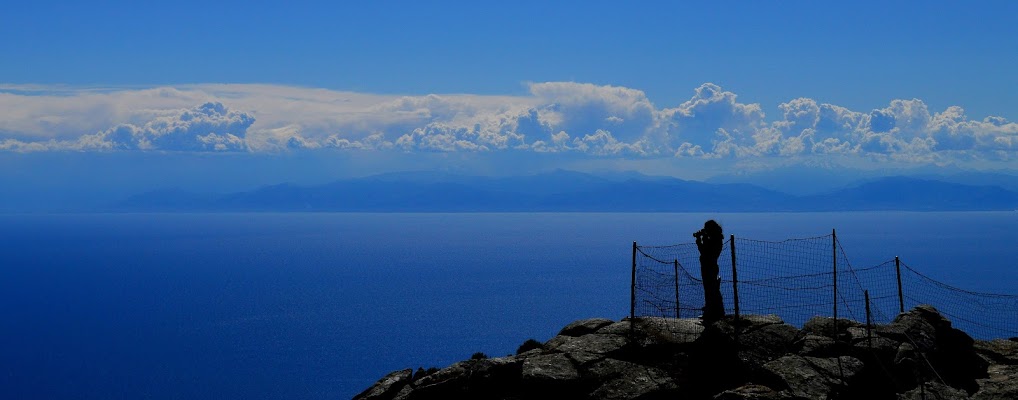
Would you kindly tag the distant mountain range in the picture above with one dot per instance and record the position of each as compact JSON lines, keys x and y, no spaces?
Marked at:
{"x":569,"y":191}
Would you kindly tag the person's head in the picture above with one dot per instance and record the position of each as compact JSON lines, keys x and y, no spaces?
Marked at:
{"x":712,"y":228}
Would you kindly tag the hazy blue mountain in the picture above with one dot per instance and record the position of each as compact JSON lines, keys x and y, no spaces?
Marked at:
{"x":574,"y":191}
{"x":671,"y":195}
{"x":555,"y":182}
{"x":905,"y":193}
{"x":799,"y":180}
{"x":1003,"y":180}
{"x":621,"y":176}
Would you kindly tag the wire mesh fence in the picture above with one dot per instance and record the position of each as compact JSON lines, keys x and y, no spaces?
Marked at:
{"x":982,"y":315}
{"x":798,"y":279}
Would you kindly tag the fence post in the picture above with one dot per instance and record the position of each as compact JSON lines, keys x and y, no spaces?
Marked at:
{"x":735,"y":279}
{"x":869,"y":326}
{"x":632,"y":289}
{"x":834,"y":262}
{"x":901,"y":299}
{"x":677,"y":313}
{"x":735,"y":287}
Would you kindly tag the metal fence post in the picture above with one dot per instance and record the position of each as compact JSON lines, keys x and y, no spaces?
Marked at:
{"x":869,"y":323}
{"x":735,"y":279}
{"x":897,"y":271}
{"x":632,"y":288}
{"x":735,"y":287}
{"x":834,"y":259}
{"x":677,"y":312}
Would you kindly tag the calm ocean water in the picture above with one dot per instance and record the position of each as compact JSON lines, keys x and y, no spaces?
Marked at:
{"x":319,"y":306}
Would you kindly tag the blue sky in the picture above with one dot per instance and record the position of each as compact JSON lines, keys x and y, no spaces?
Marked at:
{"x":857,"y":54}
{"x":312,"y":91}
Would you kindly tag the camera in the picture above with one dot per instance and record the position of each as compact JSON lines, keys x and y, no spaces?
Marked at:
{"x":698,"y":234}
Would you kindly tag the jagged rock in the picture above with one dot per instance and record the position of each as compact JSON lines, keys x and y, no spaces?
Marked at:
{"x":622,"y":380}
{"x":883,"y":347}
{"x":732,"y":326}
{"x":667,"y":331}
{"x":912,"y":326}
{"x":452,"y":379}
{"x":934,"y":391}
{"x":910,"y":365}
{"x":684,"y":347}
{"x":998,"y":351}
{"x":1001,"y":384}
{"x":404,"y":394}
{"x":587,"y":348}
{"x":477,"y":378}
{"x":879,"y":344}
{"x":421,"y":372}
{"x":766,"y":342}
{"x":815,"y":378}
{"x":446,"y":374}
{"x":733,"y":350}
{"x":928,"y":340}
{"x":492,"y":369}
{"x":387,"y":387}
{"x":825,"y":326}
{"x":929,"y":313}
{"x":758,"y":319}
{"x":857,"y":334}
{"x":608,"y":368}
{"x":618,"y":328}
{"x":751,"y":392}
{"x":816,"y":346}
{"x":549,"y":368}
{"x":652,"y":358}
{"x":583,"y":327}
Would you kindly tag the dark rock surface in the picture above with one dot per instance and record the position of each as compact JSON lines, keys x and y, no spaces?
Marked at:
{"x":388,"y":386}
{"x":917,"y":356}
{"x":934,"y":391}
{"x":815,"y":378}
{"x":1002,"y":375}
{"x":585,"y":326}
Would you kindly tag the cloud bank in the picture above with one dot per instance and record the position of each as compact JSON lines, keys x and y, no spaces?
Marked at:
{"x":556,"y":117}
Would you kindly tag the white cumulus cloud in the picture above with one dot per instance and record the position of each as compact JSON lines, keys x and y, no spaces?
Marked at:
{"x":555,"y":117}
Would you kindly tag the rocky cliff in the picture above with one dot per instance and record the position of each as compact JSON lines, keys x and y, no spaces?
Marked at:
{"x":917,"y":356}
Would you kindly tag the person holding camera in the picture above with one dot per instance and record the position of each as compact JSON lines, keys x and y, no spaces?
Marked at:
{"x":709,"y":241}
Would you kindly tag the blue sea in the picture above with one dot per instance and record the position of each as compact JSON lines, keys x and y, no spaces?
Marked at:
{"x":319,"y":306}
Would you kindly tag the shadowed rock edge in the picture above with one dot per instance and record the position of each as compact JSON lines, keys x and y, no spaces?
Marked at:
{"x":757,"y":357}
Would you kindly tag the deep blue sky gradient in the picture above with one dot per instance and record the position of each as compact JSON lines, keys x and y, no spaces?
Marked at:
{"x":858,"y":54}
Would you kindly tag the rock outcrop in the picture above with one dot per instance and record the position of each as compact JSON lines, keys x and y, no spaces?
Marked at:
{"x":917,"y":356}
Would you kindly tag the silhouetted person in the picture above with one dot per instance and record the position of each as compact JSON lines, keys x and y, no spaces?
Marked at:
{"x":709,"y":241}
